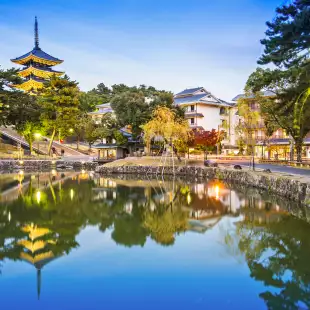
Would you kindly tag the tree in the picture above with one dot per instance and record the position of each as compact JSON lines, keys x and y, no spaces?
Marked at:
{"x":206,"y":140}
{"x":105,"y":129}
{"x":289,"y":108}
{"x":247,"y":124}
{"x":79,"y":126}
{"x":90,"y":133}
{"x":59,"y":99}
{"x":287,"y":41}
{"x":287,"y":45}
{"x":131,"y":109}
{"x":88,"y":101}
{"x":165,"y":124}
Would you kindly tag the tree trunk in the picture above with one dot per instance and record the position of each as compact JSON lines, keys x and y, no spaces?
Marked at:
{"x":78,"y":143}
{"x":30,"y":146}
{"x":51,"y":142}
{"x":298,"y":146}
{"x":291,"y":149}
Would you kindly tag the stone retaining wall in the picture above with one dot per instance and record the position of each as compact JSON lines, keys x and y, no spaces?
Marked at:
{"x":40,"y":165}
{"x":289,"y":187}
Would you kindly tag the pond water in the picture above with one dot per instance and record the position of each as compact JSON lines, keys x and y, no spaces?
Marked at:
{"x":71,"y":240}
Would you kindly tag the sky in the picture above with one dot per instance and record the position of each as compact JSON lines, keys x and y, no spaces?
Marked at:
{"x":168,"y":44}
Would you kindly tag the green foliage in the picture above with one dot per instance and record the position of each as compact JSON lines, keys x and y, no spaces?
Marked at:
{"x":90,"y":132}
{"x":287,"y":45}
{"x":131,"y":109}
{"x":88,"y":101}
{"x":119,"y":137}
{"x":287,"y":41}
{"x":59,"y":100}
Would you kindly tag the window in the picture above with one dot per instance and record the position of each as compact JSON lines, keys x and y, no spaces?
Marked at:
{"x":222,"y":111}
{"x":192,"y":121}
{"x":192,"y":108}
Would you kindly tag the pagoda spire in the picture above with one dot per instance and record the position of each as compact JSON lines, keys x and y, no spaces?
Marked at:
{"x":36,"y":34}
{"x":39,"y":283}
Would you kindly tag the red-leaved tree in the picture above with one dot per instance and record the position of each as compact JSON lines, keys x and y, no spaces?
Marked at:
{"x":206,"y":140}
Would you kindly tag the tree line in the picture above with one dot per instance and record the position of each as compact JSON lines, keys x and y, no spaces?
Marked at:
{"x":61,"y":109}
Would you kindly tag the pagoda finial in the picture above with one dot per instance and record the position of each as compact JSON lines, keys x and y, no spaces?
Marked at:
{"x":36,"y":33}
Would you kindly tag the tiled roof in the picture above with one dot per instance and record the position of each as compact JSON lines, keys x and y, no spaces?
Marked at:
{"x":104,"y":105}
{"x":200,"y":99}
{"x":47,"y":69}
{"x":267,"y":93}
{"x":188,"y":91}
{"x":189,"y":99}
{"x":39,"y":53}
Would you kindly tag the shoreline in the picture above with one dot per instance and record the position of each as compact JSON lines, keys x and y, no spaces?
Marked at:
{"x":296,"y":188}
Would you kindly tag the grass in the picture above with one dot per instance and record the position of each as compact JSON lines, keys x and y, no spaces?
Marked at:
{"x":153,"y":162}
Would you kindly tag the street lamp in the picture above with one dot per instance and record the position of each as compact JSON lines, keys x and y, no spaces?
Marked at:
{"x":37,"y":136}
{"x":71,"y":130}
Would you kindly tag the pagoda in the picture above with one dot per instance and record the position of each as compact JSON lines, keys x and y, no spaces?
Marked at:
{"x":37,"y":66}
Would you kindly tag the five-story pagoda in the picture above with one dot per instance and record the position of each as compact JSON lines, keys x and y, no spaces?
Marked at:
{"x":37,"y":66}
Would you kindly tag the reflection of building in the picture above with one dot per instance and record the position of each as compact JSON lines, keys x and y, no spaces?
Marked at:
{"x":37,"y":66}
{"x":209,"y":203}
{"x":36,"y":249}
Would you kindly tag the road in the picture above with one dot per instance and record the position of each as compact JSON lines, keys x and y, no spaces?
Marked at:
{"x":275,"y":168}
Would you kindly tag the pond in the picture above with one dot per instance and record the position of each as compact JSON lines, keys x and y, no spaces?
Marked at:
{"x":74,"y":240}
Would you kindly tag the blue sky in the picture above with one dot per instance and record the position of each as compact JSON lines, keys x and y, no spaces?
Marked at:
{"x":170,"y":44}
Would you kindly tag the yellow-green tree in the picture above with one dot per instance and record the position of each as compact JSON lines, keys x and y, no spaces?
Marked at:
{"x":167,"y":126}
{"x":249,"y":118}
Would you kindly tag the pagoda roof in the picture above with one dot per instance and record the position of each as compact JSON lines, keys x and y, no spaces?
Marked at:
{"x":37,"y":55}
{"x":42,"y":72}
{"x":32,"y":83}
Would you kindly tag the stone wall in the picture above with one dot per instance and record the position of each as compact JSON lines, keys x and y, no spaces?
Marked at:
{"x":290,"y":187}
{"x":41,"y":165}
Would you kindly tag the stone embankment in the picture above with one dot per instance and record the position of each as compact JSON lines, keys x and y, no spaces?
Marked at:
{"x":41,"y":165}
{"x":291,"y":187}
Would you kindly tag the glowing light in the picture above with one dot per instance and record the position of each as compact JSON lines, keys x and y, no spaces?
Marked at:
{"x":21,"y":162}
{"x":9,"y":216}
{"x":189,"y":198}
{"x":37,"y":135}
{"x":21,"y":172}
{"x":71,"y":193}
{"x":53,"y":172}
{"x":38,"y":196}
{"x":71,"y":130}
{"x":83,"y":171}
{"x":217,"y":192}
{"x":53,"y":162}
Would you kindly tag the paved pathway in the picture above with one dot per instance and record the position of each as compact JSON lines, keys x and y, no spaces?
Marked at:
{"x":272,"y":167}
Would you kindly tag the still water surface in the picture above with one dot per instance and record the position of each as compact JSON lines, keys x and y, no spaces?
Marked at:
{"x":76,"y":241}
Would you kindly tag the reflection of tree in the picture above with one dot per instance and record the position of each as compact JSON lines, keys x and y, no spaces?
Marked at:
{"x":278,"y":254}
{"x":164,"y":223}
{"x":166,"y":218}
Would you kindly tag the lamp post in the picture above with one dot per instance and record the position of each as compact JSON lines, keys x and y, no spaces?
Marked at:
{"x":37,"y":136}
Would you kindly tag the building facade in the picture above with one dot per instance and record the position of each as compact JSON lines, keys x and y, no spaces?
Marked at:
{"x":101,"y":110}
{"x":205,"y":111}
{"x":276,"y":146}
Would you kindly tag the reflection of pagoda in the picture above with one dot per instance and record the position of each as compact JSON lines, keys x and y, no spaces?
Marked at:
{"x":36,"y":249}
{"x":37,"y":66}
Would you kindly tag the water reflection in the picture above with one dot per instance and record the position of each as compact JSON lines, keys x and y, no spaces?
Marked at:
{"x":41,"y":216}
